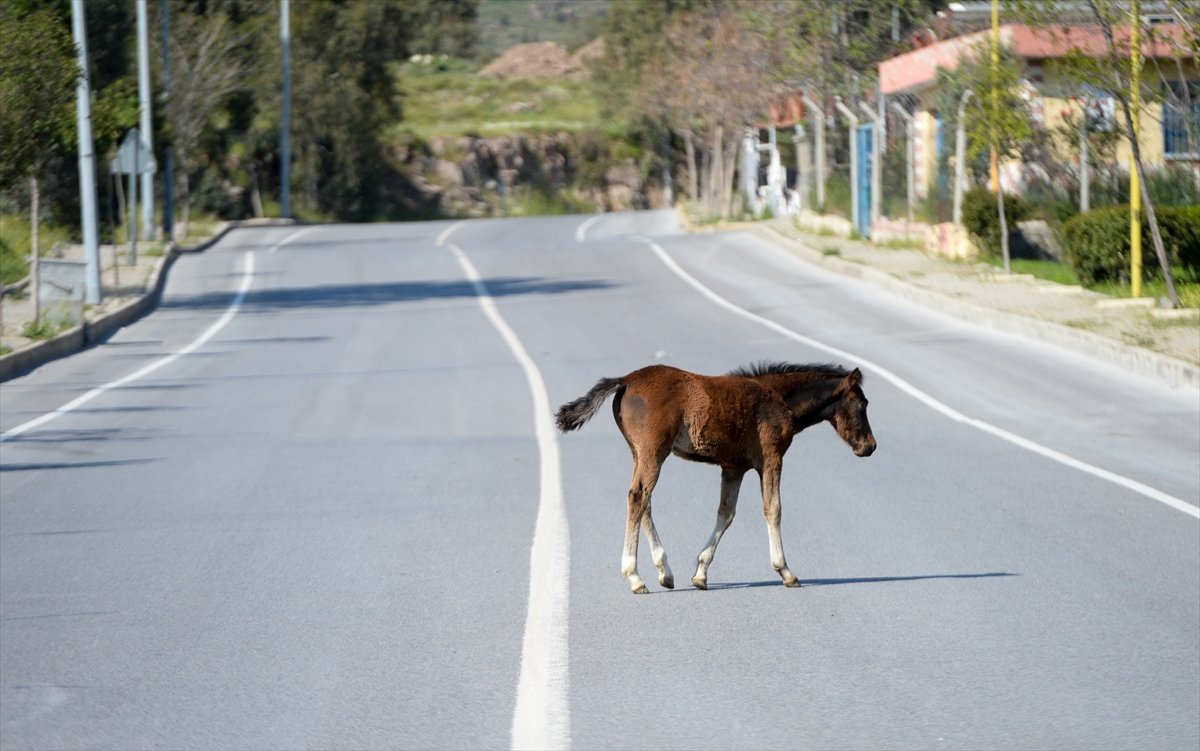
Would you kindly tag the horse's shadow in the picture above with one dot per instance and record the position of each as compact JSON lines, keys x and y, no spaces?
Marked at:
{"x":850,"y":580}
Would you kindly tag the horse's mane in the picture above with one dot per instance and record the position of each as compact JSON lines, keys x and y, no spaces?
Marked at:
{"x":765,"y":367}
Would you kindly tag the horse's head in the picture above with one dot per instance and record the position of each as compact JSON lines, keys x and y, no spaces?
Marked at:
{"x":849,"y":416}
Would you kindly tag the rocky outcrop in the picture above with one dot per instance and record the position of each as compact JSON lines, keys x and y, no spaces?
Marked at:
{"x":470,"y":177}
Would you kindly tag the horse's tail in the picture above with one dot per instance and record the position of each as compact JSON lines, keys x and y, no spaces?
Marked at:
{"x":573,"y":415}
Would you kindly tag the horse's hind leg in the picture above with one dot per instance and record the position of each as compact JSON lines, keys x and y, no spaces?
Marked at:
{"x":665,"y":577}
{"x":731,"y":482}
{"x":772,"y":510}
{"x":645,"y":477}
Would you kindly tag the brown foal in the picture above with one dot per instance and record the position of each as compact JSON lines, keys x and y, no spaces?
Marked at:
{"x":740,"y":421}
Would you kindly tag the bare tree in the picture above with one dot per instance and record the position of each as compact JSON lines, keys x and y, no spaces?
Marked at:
{"x":209,"y":66}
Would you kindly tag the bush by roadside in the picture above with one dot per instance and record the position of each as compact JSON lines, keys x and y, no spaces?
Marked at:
{"x":1096,"y":244}
{"x":981,"y":217}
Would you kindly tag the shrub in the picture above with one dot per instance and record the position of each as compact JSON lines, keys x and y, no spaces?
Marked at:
{"x":12,"y":265}
{"x":1096,"y":244}
{"x":981,"y":217}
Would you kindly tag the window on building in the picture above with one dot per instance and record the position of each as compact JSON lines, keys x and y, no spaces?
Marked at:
{"x":1181,"y":126}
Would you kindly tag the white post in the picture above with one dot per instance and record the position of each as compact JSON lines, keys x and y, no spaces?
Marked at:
{"x":1085,"y":202}
{"x":849,"y":115}
{"x":910,"y":167}
{"x":876,"y":163}
{"x":285,"y":143}
{"x":818,"y":118}
{"x":147,"y":123}
{"x":87,"y":157}
{"x":133,"y":200}
{"x":960,"y":157}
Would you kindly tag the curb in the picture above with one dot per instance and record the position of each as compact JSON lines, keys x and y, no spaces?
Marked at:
{"x":78,"y":337}
{"x":1172,"y":371}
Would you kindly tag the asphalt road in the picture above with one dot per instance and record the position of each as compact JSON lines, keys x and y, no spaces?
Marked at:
{"x":314,"y":529}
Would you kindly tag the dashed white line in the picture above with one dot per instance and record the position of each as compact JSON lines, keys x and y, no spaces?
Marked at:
{"x":445,"y":234}
{"x":542,"y":716}
{"x":921,"y":396}
{"x":209,"y":333}
{"x":291,"y":237}
{"x":581,"y":230}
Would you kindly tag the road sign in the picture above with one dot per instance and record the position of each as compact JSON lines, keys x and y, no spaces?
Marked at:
{"x":133,"y":157}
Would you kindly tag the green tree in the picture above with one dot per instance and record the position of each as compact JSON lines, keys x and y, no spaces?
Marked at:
{"x":38,"y":74}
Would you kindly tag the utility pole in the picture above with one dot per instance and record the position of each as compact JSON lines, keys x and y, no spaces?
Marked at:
{"x":169,"y":176}
{"x":1135,"y":192}
{"x":817,"y":116}
{"x":960,"y":157}
{"x":147,"y":124}
{"x":910,"y":167}
{"x":849,"y":115}
{"x":285,"y":144}
{"x":87,"y":157}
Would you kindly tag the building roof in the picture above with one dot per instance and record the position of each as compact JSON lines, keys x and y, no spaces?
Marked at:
{"x":917,"y":70}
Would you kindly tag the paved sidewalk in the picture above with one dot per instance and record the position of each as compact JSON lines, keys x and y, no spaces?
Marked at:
{"x":121,"y":284}
{"x":1174,"y":333}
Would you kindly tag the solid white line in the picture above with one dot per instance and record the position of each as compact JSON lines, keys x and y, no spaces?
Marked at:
{"x":247,"y":279}
{"x":542,"y":717}
{"x":581,"y":229}
{"x":921,"y":396}
{"x":291,"y":237}
{"x":445,"y":235}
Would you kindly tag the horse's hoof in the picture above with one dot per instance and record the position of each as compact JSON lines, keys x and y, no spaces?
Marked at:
{"x":641,"y":590}
{"x":668,"y":582}
{"x":792,"y":583}
{"x":699,"y":583}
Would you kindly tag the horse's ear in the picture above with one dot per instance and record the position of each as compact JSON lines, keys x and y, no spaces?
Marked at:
{"x":854,"y":379}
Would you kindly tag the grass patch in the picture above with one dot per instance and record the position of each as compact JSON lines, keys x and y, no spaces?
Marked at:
{"x":450,"y":100}
{"x":1050,"y":271}
{"x":830,"y":250}
{"x":5,"y":349}
{"x":533,"y":202}
{"x":48,"y":327}
{"x":1189,"y":292}
{"x":16,"y":239}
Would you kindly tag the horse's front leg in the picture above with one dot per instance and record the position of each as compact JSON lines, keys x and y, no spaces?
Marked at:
{"x":731,"y":483}
{"x":772,"y":510}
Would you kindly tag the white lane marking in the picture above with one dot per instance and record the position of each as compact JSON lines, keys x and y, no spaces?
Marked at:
{"x":542,"y":717}
{"x":445,"y":235}
{"x":913,"y":391}
{"x":291,"y":237}
{"x":247,"y":279}
{"x":581,"y":229}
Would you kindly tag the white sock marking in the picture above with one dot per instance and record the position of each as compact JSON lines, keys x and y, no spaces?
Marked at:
{"x":582,"y":229}
{"x":542,"y":717}
{"x":926,"y":399}
{"x":247,"y":279}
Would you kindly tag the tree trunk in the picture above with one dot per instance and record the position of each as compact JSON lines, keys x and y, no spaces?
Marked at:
{"x":1159,"y":250}
{"x":255,"y":196}
{"x":1003,"y":229}
{"x":716,"y":167}
{"x":705,"y":180}
{"x":727,"y":179}
{"x":187,"y":201}
{"x":691,"y":164}
{"x":35,"y":269}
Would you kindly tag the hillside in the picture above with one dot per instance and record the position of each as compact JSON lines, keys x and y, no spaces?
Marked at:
{"x":505,"y":23}
{"x":449,"y":98}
